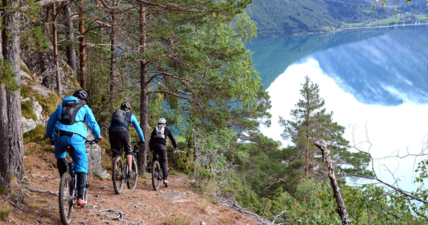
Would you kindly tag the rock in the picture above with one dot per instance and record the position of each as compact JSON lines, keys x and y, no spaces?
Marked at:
{"x":94,"y":159}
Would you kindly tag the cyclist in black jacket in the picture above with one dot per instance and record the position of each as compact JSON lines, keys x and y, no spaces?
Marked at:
{"x":158,"y":145}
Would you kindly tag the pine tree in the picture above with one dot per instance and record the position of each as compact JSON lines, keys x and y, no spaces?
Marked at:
{"x":311,"y":122}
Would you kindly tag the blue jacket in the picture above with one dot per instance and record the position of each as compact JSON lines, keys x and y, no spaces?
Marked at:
{"x":137,"y":127}
{"x":84,"y":114}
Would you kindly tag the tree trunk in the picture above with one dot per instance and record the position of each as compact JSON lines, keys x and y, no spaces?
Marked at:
{"x":112,"y":55}
{"x":55,"y":50}
{"x":11,"y":53}
{"x":142,"y":158}
{"x":4,"y":140}
{"x":341,"y":208}
{"x":69,"y":31}
{"x":82,"y":46}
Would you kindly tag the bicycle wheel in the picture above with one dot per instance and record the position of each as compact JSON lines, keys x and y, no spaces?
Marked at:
{"x":118,"y":174}
{"x":132,"y":181}
{"x":66,"y":198}
{"x":156,"y":175}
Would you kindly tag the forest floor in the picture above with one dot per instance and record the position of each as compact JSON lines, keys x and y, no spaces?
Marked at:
{"x":176,"y":204}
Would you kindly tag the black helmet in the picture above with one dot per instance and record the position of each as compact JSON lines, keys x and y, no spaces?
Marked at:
{"x":125,"y":105}
{"x":81,"y":94}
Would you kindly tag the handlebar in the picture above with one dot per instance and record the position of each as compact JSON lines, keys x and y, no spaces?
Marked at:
{"x":90,"y":142}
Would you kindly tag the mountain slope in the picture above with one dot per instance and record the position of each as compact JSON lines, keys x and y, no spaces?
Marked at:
{"x":286,"y":17}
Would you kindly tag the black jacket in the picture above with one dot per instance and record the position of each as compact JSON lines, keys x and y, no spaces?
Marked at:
{"x":167,"y":133}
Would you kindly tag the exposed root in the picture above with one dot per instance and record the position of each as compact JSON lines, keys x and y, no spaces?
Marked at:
{"x":42,"y":191}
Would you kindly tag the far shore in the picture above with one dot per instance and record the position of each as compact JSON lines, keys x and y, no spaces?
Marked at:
{"x":345,"y":29}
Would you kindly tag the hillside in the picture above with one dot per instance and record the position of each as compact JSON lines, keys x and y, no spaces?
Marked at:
{"x":277,"y":18}
{"x":177,"y":204}
{"x":285,"y":17}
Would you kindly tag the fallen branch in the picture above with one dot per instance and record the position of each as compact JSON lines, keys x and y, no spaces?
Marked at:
{"x":42,"y":191}
{"x":16,"y":206}
{"x":341,"y":208}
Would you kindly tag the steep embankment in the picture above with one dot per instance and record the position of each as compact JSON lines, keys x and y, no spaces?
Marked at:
{"x":176,"y":204}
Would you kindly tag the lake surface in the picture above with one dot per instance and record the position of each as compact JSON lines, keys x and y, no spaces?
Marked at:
{"x":375,"y":81}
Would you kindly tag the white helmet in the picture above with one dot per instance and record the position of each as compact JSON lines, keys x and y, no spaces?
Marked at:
{"x":162,"y":121}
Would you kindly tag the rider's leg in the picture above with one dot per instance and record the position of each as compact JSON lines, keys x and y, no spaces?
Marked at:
{"x":114,"y":141}
{"x":163,"y":160}
{"x":60,"y":153}
{"x":62,"y":166}
{"x":81,"y":184}
{"x":81,"y":162}
{"x":126,"y":143}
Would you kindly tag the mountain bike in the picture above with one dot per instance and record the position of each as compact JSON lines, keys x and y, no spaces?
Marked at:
{"x":120,"y":171}
{"x":157,"y":175}
{"x":68,"y":188}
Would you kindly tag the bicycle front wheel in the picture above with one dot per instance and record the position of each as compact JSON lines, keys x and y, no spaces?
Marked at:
{"x":66,"y":198}
{"x":132,"y":180}
{"x":156,"y":175}
{"x":118,"y":174}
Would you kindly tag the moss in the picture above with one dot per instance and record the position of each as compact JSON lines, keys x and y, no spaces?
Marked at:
{"x":27,"y":110}
{"x":30,"y":150}
{"x":37,"y":135}
{"x":26,"y":70}
{"x":4,"y":213}
{"x":29,"y":81}
{"x":4,"y":190}
{"x":25,"y":91}
{"x":48,"y":104}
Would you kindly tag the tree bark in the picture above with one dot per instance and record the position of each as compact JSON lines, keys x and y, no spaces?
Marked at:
{"x":4,"y":140}
{"x":142,"y":158}
{"x":69,"y":31}
{"x":55,"y":50}
{"x":112,"y":54}
{"x":341,"y":208}
{"x":82,"y":46}
{"x":11,"y":53}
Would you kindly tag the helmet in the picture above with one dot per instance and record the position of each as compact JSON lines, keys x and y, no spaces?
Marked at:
{"x":81,"y":94}
{"x":125,"y":105}
{"x":162,"y":121}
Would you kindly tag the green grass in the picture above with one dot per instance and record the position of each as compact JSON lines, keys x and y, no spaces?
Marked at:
{"x":422,"y":17}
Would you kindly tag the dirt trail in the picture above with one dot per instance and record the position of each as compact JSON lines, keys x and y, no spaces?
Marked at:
{"x":173,"y":205}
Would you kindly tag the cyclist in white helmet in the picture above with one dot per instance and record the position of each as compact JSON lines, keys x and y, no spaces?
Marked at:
{"x":158,"y":145}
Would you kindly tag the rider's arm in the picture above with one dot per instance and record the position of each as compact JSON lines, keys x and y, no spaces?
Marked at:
{"x":137,"y":127}
{"x":50,"y":128}
{"x":92,"y":123}
{"x":171,"y":138}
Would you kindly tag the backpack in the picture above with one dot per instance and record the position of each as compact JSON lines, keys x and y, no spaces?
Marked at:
{"x":121,"y":118}
{"x":160,"y":132}
{"x":69,"y":112}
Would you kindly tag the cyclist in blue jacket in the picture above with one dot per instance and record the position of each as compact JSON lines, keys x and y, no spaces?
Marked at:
{"x":66,"y":127}
{"x":119,"y":133}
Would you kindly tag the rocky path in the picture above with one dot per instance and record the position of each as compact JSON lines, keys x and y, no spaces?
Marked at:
{"x":173,"y":205}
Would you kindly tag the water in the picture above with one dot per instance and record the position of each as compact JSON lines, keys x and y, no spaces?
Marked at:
{"x":375,"y":82}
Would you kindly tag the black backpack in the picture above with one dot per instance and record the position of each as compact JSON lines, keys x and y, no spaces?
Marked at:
{"x":121,"y":118}
{"x":69,"y":112}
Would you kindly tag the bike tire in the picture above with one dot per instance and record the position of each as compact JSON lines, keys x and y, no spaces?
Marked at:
{"x":117,"y":177}
{"x":66,"y":198}
{"x":132,"y":181}
{"x":156,"y":175}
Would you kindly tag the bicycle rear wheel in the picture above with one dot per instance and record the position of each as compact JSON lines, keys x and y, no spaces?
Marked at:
{"x":118,"y":174}
{"x":132,"y":181}
{"x":156,"y":175}
{"x":66,"y":198}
